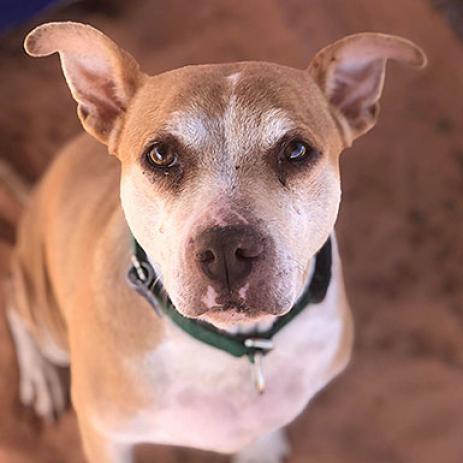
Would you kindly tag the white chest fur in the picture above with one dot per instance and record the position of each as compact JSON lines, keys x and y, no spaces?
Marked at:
{"x":205,"y":398}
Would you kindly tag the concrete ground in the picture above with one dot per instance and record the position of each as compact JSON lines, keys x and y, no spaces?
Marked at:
{"x":400,"y":227}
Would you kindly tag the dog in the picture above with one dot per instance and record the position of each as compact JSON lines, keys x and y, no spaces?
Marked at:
{"x":191,"y":280}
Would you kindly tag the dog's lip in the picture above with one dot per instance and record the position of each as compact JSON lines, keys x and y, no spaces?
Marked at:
{"x":238,"y":322}
{"x":219,"y":314}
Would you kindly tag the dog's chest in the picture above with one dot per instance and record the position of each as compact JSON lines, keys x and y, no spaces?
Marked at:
{"x":205,"y":398}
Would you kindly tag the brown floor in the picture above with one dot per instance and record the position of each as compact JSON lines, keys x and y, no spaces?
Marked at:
{"x":400,"y":228}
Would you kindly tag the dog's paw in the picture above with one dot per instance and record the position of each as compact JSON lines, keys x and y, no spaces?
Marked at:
{"x":272,"y":448}
{"x":40,"y":385}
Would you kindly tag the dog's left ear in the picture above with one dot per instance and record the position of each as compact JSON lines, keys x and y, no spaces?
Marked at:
{"x":350,"y":73}
{"x":101,"y":76}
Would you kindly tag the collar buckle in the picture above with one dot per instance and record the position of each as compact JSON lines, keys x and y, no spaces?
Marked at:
{"x":261,"y":344}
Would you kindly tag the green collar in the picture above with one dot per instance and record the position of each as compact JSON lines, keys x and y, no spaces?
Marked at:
{"x":143,"y":278}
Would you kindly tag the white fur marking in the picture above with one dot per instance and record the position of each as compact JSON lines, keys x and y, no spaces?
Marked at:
{"x":39,"y":383}
{"x":190,"y":127}
{"x":275,"y":124}
{"x":234,"y":78}
{"x":248,"y":327}
{"x":52,"y":351}
{"x":210,"y":298}
{"x":242,"y":292}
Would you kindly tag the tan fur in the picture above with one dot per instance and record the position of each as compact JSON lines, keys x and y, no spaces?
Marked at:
{"x":74,"y":246}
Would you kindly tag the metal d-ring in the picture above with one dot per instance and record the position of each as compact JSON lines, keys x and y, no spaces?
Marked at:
{"x":141,"y":274}
{"x":259,"y":378}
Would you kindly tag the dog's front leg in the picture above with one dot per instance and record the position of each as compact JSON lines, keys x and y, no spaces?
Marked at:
{"x":39,"y":383}
{"x":270,"y":448}
{"x":100,"y":448}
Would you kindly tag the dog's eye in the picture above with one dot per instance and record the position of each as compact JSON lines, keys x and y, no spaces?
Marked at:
{"x":162,"y":155}
{"x":297,"y":150}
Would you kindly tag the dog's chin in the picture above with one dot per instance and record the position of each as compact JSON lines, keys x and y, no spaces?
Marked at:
{"x":235,"y":315}
{"x":238,"y":321}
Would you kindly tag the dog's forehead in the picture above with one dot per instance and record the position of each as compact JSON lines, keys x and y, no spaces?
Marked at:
{"x":253,"y":84}
{"x":232,"y":108}
{"x":237,"y":111}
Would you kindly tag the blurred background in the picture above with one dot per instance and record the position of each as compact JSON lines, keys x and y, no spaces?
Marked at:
{"x":400,"y":228}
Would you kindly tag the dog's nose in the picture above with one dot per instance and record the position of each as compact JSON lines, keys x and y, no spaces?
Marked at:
{"x":227,"y":254}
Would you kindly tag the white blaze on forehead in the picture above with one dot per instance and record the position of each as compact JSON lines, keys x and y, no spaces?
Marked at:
{"x":190,"y":127}
{"x":234,"y":78}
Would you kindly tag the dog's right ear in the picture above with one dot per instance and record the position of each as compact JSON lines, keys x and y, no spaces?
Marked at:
{"x":102,"y":77}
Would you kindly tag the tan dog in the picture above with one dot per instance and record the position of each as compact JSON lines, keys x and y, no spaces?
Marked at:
{"x":228,"y":177}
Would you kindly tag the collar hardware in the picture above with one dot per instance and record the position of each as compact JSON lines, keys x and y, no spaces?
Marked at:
{"x":141,"y":278}
{"x":258,"y":373}
{"x":143,"y":271}
{"x":259,"y":343}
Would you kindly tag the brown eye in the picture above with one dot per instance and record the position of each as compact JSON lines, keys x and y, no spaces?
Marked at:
{"x":162,"y":155}
{"x":297,"y":150}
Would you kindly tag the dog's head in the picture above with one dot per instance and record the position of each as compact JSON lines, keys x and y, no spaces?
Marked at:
{"x":229,"y":173}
